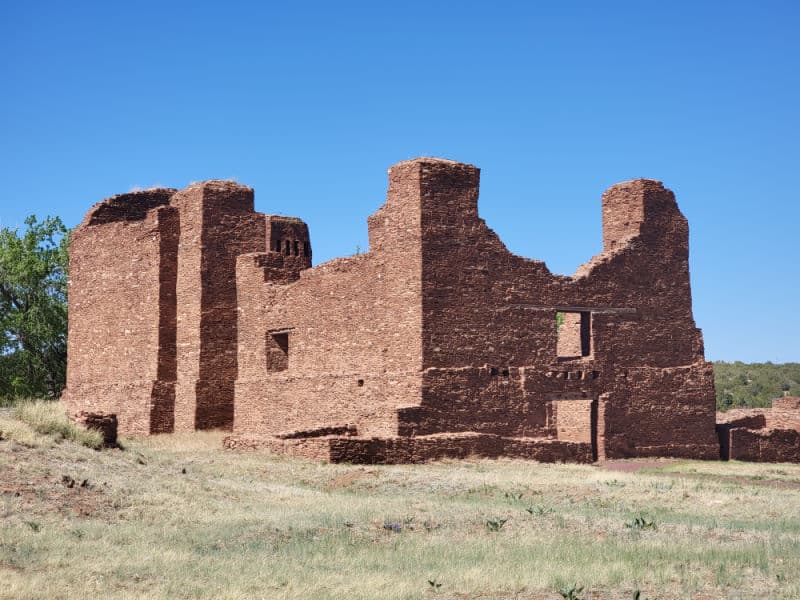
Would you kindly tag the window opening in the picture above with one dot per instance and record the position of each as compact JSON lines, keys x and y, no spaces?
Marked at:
{"x":574,"y":332}
{"x":277,"y":351}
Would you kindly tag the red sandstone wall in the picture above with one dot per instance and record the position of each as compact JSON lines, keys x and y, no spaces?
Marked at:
{"x":353,"y":325}
{"x":761,"y":434}
{"x":767,"y":445}
{"x":218,"y":223}
{"x":153,"y":308}
{"x":122,"y":308}
{"x":489,"y":358}
{"x":438,"y":328}
{"x":490,"y":353}
{"x":785,"y":414}
{"x":573,"y":420}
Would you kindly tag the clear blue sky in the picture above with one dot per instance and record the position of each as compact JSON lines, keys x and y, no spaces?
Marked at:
{"x":310,"y":103}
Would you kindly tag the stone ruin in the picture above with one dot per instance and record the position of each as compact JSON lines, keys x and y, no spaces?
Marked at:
{"x":189,"y":310}
{"x":761,"y":434}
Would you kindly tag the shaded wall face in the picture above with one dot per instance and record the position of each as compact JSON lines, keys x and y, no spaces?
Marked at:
{"x":351,"y":327}
{"x":289,"y":237}
{"x":218,"y":224}
{"x":153,"y":309}
{"x":121,"y":355}
{"x":487,"y":311}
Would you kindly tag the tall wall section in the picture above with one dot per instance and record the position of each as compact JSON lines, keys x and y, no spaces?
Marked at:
{"x":121,"y":342}
{"x":218,"y":223}
{"x":491,"y":358}
{"x":339,"y":343}
{"x":153,"y":306}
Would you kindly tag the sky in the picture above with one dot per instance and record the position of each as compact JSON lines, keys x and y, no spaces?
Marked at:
{"x":311,"y":102}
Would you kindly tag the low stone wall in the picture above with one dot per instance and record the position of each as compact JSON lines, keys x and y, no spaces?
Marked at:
{"x":764,"y":445}
{"x":761,"y":434}
{"x":105,"y":423}
{"x":417,"y":449}
{"x":785,"y":414}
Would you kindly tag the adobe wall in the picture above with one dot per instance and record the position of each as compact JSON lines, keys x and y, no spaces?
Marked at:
{"x":218,"y":223}
{"x":440,"y":322}
{"x":398,"y":450}
{"x":352,"y":326}
{"x":761,"y":434}
{"x":121,"y":344}
{"x":153,"y":307}
{"x":573,"y":419}
{"x":490,"y":345}
{"x":189,"y":310}
{"x":764,"y":445}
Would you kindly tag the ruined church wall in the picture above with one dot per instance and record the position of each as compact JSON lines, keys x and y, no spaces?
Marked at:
{"x":761,"y":434}
{"x":121,"y":294}
{"x":490,"y":351}
{"x":353,"y":328}
{"x":218,"y":223}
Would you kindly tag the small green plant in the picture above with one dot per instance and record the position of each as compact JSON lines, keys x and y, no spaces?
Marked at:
{"x":640,"y":523}
{"x":495,"y":524}
{"x":434,"y":583}
{"x":539,"y":510}
{"x":431,"y":525}
{"x":34,"y":525}
{"x":514,"y":496}
{"x":571,"y":593}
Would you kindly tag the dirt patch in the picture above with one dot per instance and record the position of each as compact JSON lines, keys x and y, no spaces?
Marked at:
{"x":350,"y":478}
{"x":45,"y":491}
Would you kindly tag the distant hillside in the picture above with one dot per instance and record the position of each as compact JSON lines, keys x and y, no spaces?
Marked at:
{"x":753,"y":385}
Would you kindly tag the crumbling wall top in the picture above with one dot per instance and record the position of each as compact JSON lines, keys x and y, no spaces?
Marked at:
{"x":132,"y":206}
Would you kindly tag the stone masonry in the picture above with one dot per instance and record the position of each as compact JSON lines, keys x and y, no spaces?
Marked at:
{"x":761,"y":434}
{"x":188,"y":310}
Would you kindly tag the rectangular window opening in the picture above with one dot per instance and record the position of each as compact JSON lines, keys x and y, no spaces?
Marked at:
{"x":277,"y":351}
{"x":574,"y":333}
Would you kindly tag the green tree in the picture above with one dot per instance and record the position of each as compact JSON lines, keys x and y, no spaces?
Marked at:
{"x":33,"y":308}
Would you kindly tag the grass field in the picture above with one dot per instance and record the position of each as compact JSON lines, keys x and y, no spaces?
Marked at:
{"x":177,"y":517}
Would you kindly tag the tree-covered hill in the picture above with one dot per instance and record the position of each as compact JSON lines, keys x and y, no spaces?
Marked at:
{"x":752,"y":385}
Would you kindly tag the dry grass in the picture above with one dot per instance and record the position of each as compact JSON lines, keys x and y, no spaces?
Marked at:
{"x":247,"y":525}
{"x":38,"y":423}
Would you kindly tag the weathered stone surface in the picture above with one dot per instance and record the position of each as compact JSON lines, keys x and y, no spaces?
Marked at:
{"x":416,"y":449}
{"x":105,"y":423}
{"x":190,"y":310}
{"x":761,"y":434}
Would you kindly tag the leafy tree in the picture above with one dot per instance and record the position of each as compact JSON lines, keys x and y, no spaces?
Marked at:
{"x":753,"y":385}
{"x":33,"y":308}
